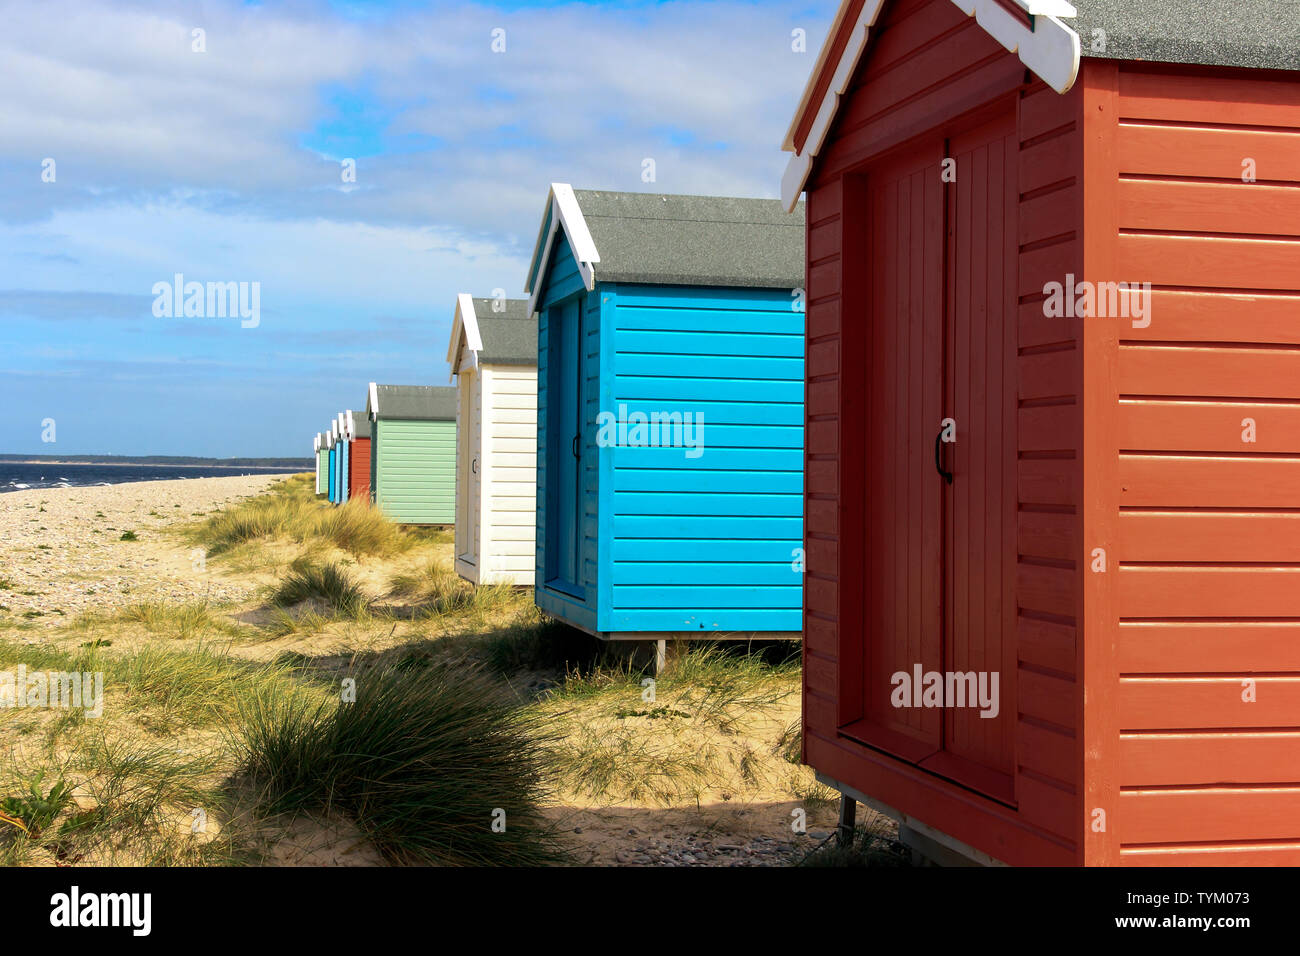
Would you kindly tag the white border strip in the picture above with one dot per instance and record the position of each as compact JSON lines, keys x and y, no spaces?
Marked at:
{"x":565,"y":214}
{"x":374,"y":401}
{"x":1051,"y":50}
{"x":465,"y":320}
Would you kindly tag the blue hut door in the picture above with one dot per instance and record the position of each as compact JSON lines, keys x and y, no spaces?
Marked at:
{"x":344,"y":451}
{"x":564,"y":438}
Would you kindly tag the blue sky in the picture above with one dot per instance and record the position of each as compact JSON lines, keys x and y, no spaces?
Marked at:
{"x":225,"y":166}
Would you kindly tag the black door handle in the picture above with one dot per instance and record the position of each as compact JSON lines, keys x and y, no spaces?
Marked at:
{"x":473,"y":466}
{"x":575,"y":446}
{"x":938,"y":456}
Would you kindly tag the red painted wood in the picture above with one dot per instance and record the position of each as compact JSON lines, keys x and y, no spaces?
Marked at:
{"x":1204,"y":571}
{"x":903,"y":522}
{"x":881,"y":376}
{"x":981,"y":390}
{"x":359,"y":469}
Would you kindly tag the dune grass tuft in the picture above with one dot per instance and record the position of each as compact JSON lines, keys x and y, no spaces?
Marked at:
{"x":114,"y":801}
{"x":422,"y":762}
{"x":328,"y":583}
{"x":437,"y":590}
{"x":192,"y":619}
{"x":291,"y":510}
{"x":701,"y":710}
{"x":875,"y":844}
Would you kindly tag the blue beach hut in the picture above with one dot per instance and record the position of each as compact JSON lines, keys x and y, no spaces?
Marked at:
{"x":341,"y":439}
{"x":333,"y":472}
{"x":670,"y":414}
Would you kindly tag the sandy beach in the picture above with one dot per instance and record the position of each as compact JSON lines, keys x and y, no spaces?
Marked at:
{"x":63,"y":552}
{"x":64,"y":557}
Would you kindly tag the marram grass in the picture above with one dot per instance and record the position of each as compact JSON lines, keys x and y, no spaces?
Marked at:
{"x":424,"y":762}
{"x":290,"y":510}
{"x":329,"y":584}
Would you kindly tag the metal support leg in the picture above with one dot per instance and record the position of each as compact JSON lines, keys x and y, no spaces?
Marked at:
{"x":661,"y":656}
{"x":848,"y":822}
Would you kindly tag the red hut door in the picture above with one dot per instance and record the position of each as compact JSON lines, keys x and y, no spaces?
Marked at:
{"x":940,"y":560}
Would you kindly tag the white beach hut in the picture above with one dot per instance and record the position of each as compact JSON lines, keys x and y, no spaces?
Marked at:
{"x":322,"y":457}
{"x":493,"y":358}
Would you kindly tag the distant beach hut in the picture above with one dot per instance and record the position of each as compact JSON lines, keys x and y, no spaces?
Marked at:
{"x":413,"y":452}
{"x":322,"y":464}
{"x":331,"y":469}
{"x":670,"y":415}
{"x":493,"y":357}
{"x":357,"y":427}
{"x":341,"y":479}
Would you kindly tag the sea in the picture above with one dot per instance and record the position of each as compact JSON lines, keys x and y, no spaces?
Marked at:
{"x":19,"y":476}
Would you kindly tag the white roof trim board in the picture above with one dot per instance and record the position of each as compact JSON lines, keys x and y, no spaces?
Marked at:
{"x":351,"y":424}
{"x":564,"y":213}
{"x":466,"y":321}
{"x":315,"y":442}
{"x":374,"y":400}
{"x":1051,"y":50}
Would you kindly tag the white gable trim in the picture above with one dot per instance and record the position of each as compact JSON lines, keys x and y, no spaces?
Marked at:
{"x":465,"y":334}
{"x":315,"y":442}
{"x":1051,"y":50}
{"x":566,"y":215}
{"x":350,"y":425}
{"x":374,"y":401}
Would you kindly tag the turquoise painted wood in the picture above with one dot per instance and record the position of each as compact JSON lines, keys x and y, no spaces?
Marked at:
{"x":341,"y":482}
{"x":333,"y":470}
{"x":341,"y":479}
{"x":702,"y":532}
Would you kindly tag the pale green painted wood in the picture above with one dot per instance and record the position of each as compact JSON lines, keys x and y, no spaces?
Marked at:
{"x":415,"y":471}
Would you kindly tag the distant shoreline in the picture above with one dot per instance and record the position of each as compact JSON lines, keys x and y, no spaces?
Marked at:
{"x":306,"y":465}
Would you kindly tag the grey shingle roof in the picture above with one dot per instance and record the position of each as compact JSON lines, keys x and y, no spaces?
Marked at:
{"x":694,"y":240}
{"x":1264,"y":34}
{"x":510,"y":336}
{"x":415,"y":402}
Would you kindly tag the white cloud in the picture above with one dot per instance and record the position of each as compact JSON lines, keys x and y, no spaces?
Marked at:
{"x":113,"y":93}
{"x":223,"y":166}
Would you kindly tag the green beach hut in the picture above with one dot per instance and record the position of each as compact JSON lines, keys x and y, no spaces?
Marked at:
{"x":322,"y":464}
{"x":413,"y":452}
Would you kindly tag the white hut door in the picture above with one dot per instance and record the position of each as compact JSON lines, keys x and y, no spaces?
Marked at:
{"x":469,"y":434}
{"x":476,"y":463}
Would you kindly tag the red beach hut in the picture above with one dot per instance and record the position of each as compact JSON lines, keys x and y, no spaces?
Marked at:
{"x":1052,"y":606}
{"x":357,"y":424}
